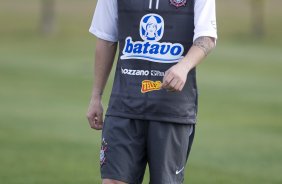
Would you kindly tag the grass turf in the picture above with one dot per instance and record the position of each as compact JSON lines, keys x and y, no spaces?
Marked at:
{"x":45,"y":88}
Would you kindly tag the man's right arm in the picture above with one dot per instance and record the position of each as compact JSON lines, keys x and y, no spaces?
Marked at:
{"x":104,"y":57}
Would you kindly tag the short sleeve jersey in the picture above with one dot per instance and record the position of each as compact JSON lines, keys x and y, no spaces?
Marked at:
{"x":104,"y":22}
{"x":153,"y":35}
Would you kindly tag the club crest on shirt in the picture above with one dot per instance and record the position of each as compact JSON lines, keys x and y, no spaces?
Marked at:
{"x":178,"y":3}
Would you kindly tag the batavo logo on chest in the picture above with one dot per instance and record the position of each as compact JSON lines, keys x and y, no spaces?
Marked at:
{"x":151,"y":31}
{"x":178,"y":3}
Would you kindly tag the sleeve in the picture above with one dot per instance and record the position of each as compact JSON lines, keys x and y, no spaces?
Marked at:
{"x":104,"y":22}
{"x":205,"y":19}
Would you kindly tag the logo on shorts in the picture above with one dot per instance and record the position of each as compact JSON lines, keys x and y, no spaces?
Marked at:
{"x":148,"y":86}
{"x":178,"y":3}
{"x":104,"y":148}
{"x":179,"y":171}
{"x":151,"y":31}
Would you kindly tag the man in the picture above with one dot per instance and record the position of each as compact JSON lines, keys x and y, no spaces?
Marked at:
{"x":153,"y":106}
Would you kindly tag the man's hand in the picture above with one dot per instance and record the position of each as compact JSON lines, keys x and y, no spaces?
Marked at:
{"x":175,"y":77}
{"x":95,"y":113}
{"x":104,"y":58}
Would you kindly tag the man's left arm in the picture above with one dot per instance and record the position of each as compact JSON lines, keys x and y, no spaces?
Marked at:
{"x":175,"y":78}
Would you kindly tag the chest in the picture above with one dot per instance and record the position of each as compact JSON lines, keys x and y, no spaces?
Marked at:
{"x":157,"y":6}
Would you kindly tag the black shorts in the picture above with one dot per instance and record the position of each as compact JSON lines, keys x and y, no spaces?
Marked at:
{"x":128,"y":145}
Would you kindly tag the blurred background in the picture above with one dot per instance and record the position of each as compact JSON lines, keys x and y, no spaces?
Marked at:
{"x":46,"y":61}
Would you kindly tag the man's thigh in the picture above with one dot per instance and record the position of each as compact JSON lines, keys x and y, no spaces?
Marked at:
{"x":168,"y":147}
{"x":110,"y":181}
{"x":123,"y":151}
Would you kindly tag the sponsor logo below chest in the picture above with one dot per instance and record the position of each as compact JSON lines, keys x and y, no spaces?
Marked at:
{"x":148,"y":86}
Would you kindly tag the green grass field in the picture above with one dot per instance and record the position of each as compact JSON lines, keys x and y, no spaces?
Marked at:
{"x":46,"y":85}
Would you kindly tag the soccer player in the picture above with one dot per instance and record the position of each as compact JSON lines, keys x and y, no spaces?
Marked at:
{"x":152,"y":111}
